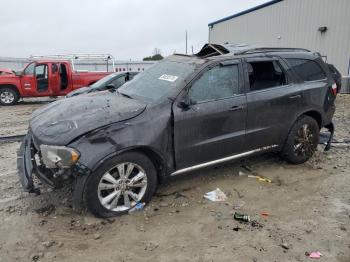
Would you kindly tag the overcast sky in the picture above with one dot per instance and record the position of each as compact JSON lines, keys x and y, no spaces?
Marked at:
{"x":128,"y":29}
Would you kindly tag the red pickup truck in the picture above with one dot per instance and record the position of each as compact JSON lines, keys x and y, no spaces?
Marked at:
{"x":44,"y":78}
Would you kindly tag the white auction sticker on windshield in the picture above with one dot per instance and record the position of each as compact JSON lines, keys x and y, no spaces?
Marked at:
{"x":169,"y":78}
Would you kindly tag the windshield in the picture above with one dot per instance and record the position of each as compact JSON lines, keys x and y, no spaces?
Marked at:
{"x":158,"y":81}
{"x":103,"y":81}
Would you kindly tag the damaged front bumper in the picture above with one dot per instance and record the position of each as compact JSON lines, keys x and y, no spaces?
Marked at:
{"x":30,"y":161}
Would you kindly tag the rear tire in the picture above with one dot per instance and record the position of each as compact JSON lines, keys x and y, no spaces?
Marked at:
{"x":8,"y":96}
{"x":130,"y":175}
{"x":302,"y":140}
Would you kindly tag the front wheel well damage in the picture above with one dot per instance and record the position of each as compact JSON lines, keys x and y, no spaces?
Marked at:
{"x":156,"y":158}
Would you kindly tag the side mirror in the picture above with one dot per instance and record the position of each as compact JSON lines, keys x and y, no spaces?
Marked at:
{"x":185,"y":103}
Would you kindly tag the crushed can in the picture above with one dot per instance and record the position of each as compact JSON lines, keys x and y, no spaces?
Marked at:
{"x":241,"y":217}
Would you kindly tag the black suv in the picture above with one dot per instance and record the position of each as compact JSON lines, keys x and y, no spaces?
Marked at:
{"x":184,"y":113}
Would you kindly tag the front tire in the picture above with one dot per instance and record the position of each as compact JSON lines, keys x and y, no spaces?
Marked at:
{"x":302,"y":140}
{"x":119,"y":183}
{"x":8,"y":96}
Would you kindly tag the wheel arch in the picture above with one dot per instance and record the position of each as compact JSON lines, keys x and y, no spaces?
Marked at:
{"x":156,"y":158}
{"x":14,"y":87}
{"x":315,"y":115}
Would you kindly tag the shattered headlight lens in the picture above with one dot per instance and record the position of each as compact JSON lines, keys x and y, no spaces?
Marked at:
{"x":58,"y":156}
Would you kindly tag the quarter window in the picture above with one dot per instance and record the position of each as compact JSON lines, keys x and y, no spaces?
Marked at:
{"x":308,"y":70}
{"x":30,"y":69}
{"x":218,"y":82}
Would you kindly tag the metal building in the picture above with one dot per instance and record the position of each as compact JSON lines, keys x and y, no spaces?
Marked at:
{"x":319,"y":25}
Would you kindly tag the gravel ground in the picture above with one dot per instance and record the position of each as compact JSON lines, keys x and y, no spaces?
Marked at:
{"x":308,"y":209}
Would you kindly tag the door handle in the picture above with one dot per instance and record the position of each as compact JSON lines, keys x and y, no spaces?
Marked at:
{"x":236,"y":108}
{"x":295,"y":97}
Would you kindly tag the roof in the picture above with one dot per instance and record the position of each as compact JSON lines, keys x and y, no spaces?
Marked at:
{"x":246,"y":12}
{"x":210,"y":50}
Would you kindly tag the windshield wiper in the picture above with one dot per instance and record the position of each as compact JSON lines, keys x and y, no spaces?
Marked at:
{"x":124,"y":95}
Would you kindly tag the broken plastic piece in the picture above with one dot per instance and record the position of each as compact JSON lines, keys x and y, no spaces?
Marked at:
{"x":261,"y":178}
{"x":265,"y":214}
{"x":316,"y":255}
{"x":138,"y":207}
{"x":216,"y":195}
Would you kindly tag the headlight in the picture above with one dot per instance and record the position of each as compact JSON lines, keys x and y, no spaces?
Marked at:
{"x":58,"y":156}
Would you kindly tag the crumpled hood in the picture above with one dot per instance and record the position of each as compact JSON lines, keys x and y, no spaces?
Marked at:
{"x":62,"y":121}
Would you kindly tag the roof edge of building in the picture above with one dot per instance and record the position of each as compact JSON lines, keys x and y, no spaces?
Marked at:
{"x":245,"y":11}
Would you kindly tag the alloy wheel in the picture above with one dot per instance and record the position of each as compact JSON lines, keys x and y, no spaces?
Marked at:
{"x":122,"y":187}
{"x":7,"y":97}
{"x":304,"y":143}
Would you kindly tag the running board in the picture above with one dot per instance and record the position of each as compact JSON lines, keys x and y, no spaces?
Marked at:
{"x":222,"y":160}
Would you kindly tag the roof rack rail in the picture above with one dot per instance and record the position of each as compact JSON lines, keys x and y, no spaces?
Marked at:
{"x":270,"y":49}
{"x":77,"y":57}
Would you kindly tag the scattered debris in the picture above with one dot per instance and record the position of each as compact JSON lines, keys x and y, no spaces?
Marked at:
{"x":42,"y":222}
{"x":285,"y":244}
{"x":150,"y":246}
{"x":216,"y":196}
{"x":261,"y":178}
{"x":45,"y":211}
{"x":241,"y":217}
{"x":315,"y":254}
{"x":236,"y":229}
{"x":48,"y":243}
{"x":138,"y":207}
{"x":238,"y":205}
{"x":265,"y":214}
{"x":238,"y":193}
{"x":178,"y":195}
{"x":217,"y":214}
{"x":97,"y":236}
{"x":36,"y":257}
{"x":255,"y":223}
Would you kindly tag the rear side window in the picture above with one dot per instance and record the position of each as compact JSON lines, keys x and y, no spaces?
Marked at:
{"x":308,"y":70}
{"x":265,"y":74}
{"x":218,"y":82}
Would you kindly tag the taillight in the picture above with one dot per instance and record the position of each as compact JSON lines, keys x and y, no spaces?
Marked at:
{"x":334,"y":89}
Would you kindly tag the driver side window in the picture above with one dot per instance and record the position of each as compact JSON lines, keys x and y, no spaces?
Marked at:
{"x":217,"y":83}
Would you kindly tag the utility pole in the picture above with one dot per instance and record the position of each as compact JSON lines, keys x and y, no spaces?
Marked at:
{"x":186,"y":42}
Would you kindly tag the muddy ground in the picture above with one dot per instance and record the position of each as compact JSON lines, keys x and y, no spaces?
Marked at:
{"x":308,"y":210}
